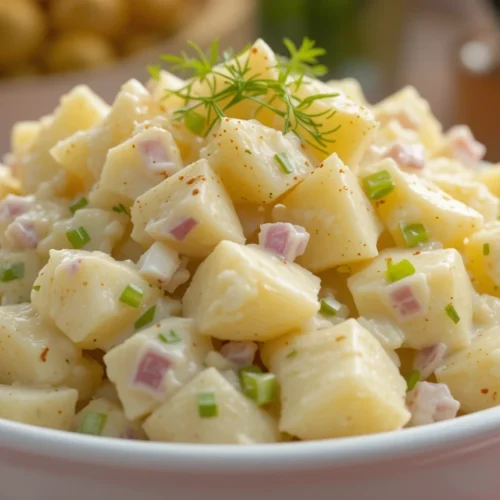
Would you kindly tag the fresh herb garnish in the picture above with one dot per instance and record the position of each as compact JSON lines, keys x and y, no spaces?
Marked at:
{"x":121,"y":209}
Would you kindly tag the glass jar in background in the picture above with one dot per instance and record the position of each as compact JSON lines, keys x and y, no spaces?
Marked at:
{"x":362,"y":37}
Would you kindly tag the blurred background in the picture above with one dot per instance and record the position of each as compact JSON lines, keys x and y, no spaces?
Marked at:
{"x":448,"y":49}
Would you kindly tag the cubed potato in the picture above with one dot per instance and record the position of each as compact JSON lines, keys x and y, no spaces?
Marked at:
{"x":415,"y":200}
{"x":154,"y":363}
{"x":473,"y":374}
{"x":110,"y":422}
{"x":8,"y":183}
{"x":191,"y":212}
{"x":23,"y":136}
{"x":104,"y":229}
{"x":52,"y":408}
{"x":18,"y":272}
{"x":336,"y":382}
{"x":257,"y":164}
{"x":408,"y":107}
{"x":247,"y":293}
{"x":491,"y":177}
{"x":482,"y":253}
{"x":80,"y":109}
{"x":330,"y":204}
{"x":33,"y":352}
{"x":160,"y":91}
{"x":82,"y":292}
{"x":419,"y":303}
{"x":351,"y":88}
{"x":238,"y":419}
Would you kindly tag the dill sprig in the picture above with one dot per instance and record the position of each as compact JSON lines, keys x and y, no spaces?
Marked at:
{"x":229,"y":81}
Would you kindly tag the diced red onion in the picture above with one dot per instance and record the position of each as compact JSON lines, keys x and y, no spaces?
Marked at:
{"x":151,"y":370}
{"x":130,"y":433}
{"x":73,"y":266}
{"x":239,"y":353}
{"x":156,"y":157}
{"x":464,"y":145}
{"x":430,"y":403}
{"x":287,"y":240}
{"x":406,"y":155}
{"x":403,"y":300}
{"x":429,"y":359}
{"x":180,"y":231}
{"x":22,"y":234}
{"x":12,"y":206}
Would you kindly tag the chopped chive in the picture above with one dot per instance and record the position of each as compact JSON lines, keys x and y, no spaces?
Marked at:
{"x":194,"y":122}
{"x":146,"y":318}
{"x":81,"y":203}
{"x":11,"y":272}
{"x":402,"y":269}
{"x":292,"y":354}
{"x":412,"y":380}
{"x":248,"y":151}
{"x":378,"y":185}
{"x":329,"y":306}
{"x":93,"y":423}
{"x":486,"y":248}
{"x":121,"y":209}
{"x":261,"y":387}
{"x":36,"y":288}
{"x":132,"y":295}
{"x":283,"y":160}
{"x":452,"y":313}
{"x":170,"y":338}
{"x":413,"y":234}
{"x":78,"y":237}
{"x":250,"y":369}
{"x":207,"y":405}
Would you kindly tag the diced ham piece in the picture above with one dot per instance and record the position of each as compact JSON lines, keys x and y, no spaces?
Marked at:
{"x":180,"y":231}
{"x":130,"y":433}
{"x":151,"y":369}
{"x":240,"y":354}
{"x":180,"y":276}
{"x":430,"y":403}
{"x":466,"y":149}
{"x":12,"y":206}
{"x":429,"y":359}
{"x":22,"y":234}
{"x":156,"y":157}
{"x":403,"y":300}
{"x":406,"y":155}
{"x":405,"y":117}
{"x":287,"y":240}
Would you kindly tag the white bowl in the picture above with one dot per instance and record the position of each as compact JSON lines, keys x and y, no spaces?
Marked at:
{"x":458,"y":460}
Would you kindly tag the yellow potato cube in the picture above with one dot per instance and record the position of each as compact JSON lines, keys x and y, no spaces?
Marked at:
{"x":191,"y":212}
{"x":332,"y":207}
{"x":434,"y":304}
{"x":247,"y":293}
{"x":351,"y":88}
{"x":52,"y":408}
{"x":238,"y":419}
{"x":154,"y":363}
{"x":336,"y":382}
{"x":257,"y":164}
{"x":23,"y":135}
{"x":491,"y":177}
{"x":8,"y":183}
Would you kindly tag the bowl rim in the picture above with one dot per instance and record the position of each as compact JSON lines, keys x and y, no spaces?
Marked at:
{"x":305,"y":455}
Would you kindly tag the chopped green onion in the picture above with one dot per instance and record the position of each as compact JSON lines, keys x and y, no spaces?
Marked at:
{"x":207,"y":405}
{"x":413,"y":234}
{"x":121,"y":209}
{"x":146,"y":318}
{"x":170,"y":338}
{"x":248,"y":151}
{"x":261,"y":387}
{"x":78,"y":237}
{"x":11,"y":272}
{"x":452,"y":313}
{"x":132,"y":295}
{"x":486,"y":249}
{"x":93,"y":423}
{"x":250,"y":369}
{"x":378,"y":185}
{"x":36,"y":288}
{"x":81,"y":203}
{"x":283,"y":160}
{"x":292,"y":354}
{"x":412,"y":380}
{"x":329,"y":307}
{"x":194,"y":122}
{"x":402,"y":269}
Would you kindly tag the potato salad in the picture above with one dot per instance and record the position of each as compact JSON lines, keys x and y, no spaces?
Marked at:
{"x":250,"y":255}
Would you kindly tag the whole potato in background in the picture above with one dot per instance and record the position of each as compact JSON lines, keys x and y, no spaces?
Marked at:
{"x":137,"y":42}
{"x":22,"y":29}
{"x":78,"y":50}
{"x":157,"y":14}
{"x":105,"y":17}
